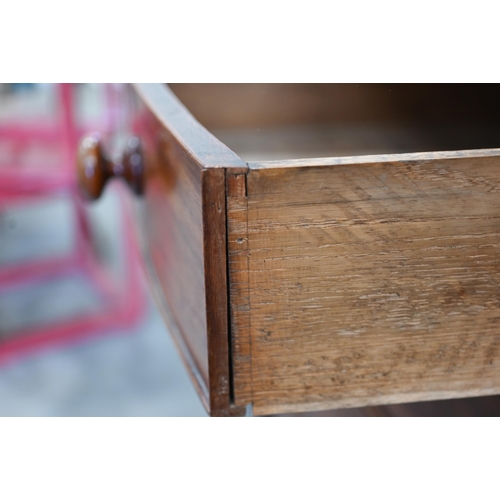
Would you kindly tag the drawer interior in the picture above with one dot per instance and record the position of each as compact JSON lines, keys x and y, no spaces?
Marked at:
{"x":283,"y":121}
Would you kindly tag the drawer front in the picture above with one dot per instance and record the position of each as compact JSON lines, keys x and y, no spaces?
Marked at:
{"x":182,"y":225}
{"x":363,"y":281}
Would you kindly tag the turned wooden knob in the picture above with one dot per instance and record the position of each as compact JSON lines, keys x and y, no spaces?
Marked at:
{"x":95,"y":169}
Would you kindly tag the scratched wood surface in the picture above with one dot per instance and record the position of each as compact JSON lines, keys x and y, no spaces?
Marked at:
{"x":370,"y":280}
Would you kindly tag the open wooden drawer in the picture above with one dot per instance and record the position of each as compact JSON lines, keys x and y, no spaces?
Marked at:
{"x":365,"y":273}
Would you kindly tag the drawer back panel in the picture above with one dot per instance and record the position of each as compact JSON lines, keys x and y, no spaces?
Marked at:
{"x":276,"y":121}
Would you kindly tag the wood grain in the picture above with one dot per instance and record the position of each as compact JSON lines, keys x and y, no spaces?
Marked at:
{"x":171,"y":221}
{"x":373,"y":280}
{"x":182,"y":218}
{"x":193,"y":138}
{"x":393,"y":159}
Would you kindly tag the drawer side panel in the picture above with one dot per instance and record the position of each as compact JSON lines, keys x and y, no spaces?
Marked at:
{"x":374,"y":283}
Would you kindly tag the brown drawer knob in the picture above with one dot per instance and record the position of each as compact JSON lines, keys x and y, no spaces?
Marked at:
{"x":94,"y":168}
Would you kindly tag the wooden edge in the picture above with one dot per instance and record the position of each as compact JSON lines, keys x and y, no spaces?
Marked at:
{"x":196,"y":140}
{"x":194,"y":374}
{"x":238,"y":282}
{"x":413,"y":397}
{"x":216,"y":290}
{"x":372,"y":159}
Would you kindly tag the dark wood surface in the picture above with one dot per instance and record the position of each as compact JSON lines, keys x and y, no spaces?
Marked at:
{"x":95,"y":168}
{"x":216,"y":293}
{"x":196,"y":141}
{"x":266,"y":106}
{"x":182,"y":219}
{"x":488,"y":406}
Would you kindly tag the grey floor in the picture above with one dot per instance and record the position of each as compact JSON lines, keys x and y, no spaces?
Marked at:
{"x":127,"y":373}
{"x":136,"y":371}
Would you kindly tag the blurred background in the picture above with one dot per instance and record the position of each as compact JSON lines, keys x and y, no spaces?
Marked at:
{"x":79,"y":332}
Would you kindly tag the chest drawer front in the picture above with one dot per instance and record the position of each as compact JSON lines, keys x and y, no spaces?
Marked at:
{"x":182,"y":225}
